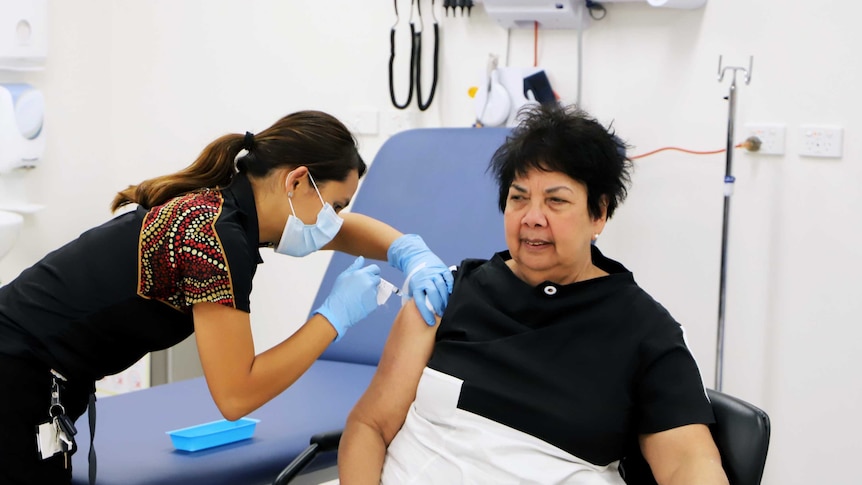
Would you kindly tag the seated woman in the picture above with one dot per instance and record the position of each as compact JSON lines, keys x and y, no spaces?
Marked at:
{"x":549,"y":362}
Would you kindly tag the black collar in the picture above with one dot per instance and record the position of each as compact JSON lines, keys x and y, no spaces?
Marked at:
{"x":240,"y":188}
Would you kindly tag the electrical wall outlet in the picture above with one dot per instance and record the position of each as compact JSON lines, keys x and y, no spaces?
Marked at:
{"x":821,"y":141}
{"x":363,"y":121}
{"x":394,"y":121}
{"x":771,"y":136}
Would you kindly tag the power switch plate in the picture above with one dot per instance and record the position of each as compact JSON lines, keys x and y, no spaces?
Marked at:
{"x":821,"y":141}
{"x":394,"y":121}
{"x":363,"y":121}
{"x":771,"y":136}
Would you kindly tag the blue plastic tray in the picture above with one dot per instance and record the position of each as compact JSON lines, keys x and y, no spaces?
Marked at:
{"x":216,"y":433}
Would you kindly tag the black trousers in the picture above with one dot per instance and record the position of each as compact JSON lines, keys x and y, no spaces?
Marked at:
{"x":25,"y":396}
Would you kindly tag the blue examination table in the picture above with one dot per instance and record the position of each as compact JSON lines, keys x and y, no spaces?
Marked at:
{"x":430,"y":181}
{"x":133,"y":448}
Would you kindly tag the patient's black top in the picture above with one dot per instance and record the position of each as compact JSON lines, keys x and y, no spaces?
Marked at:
{"x":125,"y":288}
{"x":585,"y":367}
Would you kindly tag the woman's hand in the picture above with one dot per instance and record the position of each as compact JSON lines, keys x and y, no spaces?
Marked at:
{"x":430,"y":280}
{"x":353,"y":296}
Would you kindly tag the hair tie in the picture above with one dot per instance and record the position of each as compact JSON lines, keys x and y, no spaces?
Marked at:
{"x":248,"y":141}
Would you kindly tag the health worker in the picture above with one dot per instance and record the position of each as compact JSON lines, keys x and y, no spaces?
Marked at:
{"x":182,"y":262}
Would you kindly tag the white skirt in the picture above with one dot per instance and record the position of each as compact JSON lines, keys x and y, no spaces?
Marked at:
{"x":441,"y":444}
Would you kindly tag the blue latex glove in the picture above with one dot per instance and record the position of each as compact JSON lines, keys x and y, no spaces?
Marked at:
{"x":353,"y":296}
{"x":430,"y":280}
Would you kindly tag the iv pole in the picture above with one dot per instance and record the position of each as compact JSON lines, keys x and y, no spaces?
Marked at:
{"x":728,"y":192}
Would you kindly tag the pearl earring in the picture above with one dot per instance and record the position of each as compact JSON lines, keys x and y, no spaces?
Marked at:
{"x":290,"y":194}
{"x":595,"y":236}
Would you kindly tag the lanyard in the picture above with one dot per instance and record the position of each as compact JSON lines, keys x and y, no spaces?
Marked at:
{"x":415,"y":66}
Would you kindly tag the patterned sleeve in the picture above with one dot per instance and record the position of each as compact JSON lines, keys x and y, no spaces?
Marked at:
{"x":181,"y":257}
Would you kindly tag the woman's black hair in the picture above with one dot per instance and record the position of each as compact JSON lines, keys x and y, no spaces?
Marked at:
{"x":556,"y":138}
{"x":314,"y":139}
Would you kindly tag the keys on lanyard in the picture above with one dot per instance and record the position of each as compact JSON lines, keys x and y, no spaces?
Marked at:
{"x":63,"y":425}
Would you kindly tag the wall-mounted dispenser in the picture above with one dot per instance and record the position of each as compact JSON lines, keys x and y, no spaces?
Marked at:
{"x":22,"y":131}
{"x":560,"y":14}
{"x":686,"y":4}
{"x":554,"y":14}
{"x":23,"y":34}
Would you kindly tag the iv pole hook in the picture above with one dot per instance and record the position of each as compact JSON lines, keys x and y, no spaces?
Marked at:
{"x":723,"y":69}
{"x":728,"y":192}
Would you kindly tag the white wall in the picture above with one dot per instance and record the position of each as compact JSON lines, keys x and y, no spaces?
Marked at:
{"x":136,"y":89}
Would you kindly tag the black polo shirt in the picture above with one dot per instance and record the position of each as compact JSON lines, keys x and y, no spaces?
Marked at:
{"x":125,"y":288}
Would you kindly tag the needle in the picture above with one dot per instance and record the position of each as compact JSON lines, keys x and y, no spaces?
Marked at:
{"x":384,"y":290}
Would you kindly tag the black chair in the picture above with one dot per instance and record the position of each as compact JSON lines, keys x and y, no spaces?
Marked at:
{"x":741,"y":432}
{"x":319,"y":443}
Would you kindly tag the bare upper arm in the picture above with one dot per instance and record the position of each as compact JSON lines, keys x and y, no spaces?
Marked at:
{"x":225,"y":345}
{"x":680,"y":454}
{"x":385,"y":403}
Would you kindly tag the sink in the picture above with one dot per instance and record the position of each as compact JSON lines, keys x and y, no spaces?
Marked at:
{"x":10,"y":227}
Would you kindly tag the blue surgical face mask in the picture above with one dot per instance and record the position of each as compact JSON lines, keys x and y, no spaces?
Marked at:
{"x":300,"y":239}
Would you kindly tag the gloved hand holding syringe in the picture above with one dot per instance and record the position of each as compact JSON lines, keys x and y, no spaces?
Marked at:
{"x":385,"y":289}
{"x":359,"y":290}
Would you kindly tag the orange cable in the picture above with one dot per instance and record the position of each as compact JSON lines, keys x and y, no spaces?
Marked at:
{"x":694,"y":152}
{"x":535,"y":43}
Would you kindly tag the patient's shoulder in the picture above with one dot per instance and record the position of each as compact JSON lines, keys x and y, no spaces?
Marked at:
{"x":469,"y":268}
{"x":469,"y":265}
{"x":472,"y":264}
{"x":492,"y":268}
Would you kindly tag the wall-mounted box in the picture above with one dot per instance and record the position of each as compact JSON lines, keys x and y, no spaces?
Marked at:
{"x":23,"y":34}
{"x":22,"y":131}
{"x":550,"y":14}
{"x":684,"y":4}
{"x":560,"y":14}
